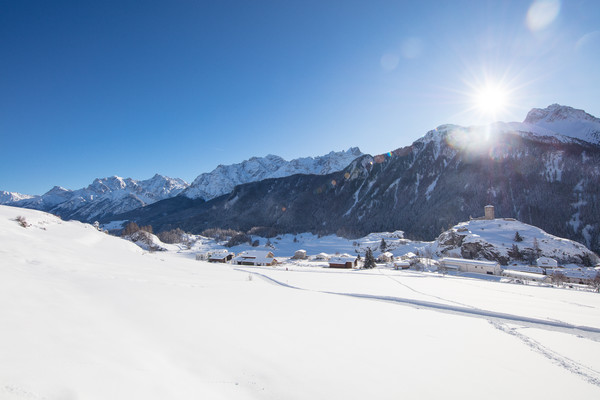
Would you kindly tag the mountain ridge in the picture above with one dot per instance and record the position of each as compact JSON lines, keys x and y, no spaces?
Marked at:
{"x":542,"y":178}
{"x":115,"y":195}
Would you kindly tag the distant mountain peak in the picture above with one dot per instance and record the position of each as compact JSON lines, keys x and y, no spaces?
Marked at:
{"x":103,"y":196}
{"x":566,"y":121}
{"x":557,"y":112}
{"x":224,"y":178}
{"x":56,"y":190}
{"x":10,"y":197}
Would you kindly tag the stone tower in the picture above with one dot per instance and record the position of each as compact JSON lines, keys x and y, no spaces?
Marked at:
{"x":489,"y":212}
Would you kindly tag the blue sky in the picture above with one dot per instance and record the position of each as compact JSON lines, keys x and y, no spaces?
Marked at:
{"x":94,"y":89}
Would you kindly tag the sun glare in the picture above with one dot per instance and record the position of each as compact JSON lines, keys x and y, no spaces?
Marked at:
{"x":491,"y":100}
{"x":488,"y":96}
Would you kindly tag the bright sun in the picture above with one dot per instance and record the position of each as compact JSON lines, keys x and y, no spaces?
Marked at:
{"x":491,"y":100}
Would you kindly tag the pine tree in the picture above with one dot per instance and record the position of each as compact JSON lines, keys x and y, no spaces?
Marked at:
{"x":383,"y":245}
{"x":369,"y":259}
{"x":518,"y":237}
{"x":515,"y":253}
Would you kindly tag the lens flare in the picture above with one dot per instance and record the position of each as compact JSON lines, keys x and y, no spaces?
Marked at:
{"x":542,"y":13}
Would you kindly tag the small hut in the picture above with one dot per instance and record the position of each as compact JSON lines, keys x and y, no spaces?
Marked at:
{"x":300,"y":255}
{"x":385,"y":257}
{"x":401,"y":264}
{"x":220,"y":256}
{"x":343,"y":262}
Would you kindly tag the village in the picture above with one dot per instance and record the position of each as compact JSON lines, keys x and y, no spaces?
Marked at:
{"x":546,"y":269}
{"x":542,"y":271}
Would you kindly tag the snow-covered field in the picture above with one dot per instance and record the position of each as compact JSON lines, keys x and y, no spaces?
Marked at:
{"x":85,"y":315}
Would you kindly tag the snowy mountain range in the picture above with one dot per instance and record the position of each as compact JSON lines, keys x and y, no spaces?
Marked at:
{"x":527,"y":171}
{"x":116,"y":195}
{"x":224,"y":178}
{"x":11,"y":197}
{"x":103,"y":196}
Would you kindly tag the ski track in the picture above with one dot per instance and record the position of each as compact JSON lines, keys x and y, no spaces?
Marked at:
{"x":423,"y":293}
{"x":17,"y":392}
{"x":589,"y":374}
{"x":496,"y":319}
{"x":588,"y":332}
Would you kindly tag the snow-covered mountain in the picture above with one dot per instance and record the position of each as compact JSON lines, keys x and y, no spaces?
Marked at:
{"x":11,"y":197}
{"x":104,"y":196}
{"x":558,"y":121}
{"x":528,"y":172}
{"x":566,"y":121}
{"x":224,"y":178}
{"x":116,"y":195}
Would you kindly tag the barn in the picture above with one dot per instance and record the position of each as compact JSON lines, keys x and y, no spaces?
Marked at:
{"x":220,"y":256}
{"x":476,"y":266}
{"x":255,"y":257}
{"x":401,"y":265}
{"x":343,"y":262}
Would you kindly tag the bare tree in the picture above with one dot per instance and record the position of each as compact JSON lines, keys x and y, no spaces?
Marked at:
{"x":596,"y":282}
{"x":558,"y":278}
{"x":130,"y":229}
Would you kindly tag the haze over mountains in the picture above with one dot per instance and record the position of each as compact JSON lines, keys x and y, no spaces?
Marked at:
{"x":544,"y":171}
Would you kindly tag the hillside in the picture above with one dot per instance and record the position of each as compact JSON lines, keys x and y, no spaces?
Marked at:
{"x":447,"y":176}
{"x":509,"y":241}
{"x":88,"y":315}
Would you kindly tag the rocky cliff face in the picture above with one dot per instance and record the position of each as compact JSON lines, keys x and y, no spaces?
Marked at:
{"x":509,"y":240}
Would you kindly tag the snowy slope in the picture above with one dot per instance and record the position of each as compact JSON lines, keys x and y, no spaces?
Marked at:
{"x":86,"y":315}
{"x":494,"y":240}
{"x":224,"y":178}
{"x":566,"y":121}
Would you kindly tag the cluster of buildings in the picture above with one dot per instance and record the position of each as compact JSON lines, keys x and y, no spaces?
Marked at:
{"x":267,"y":258}
{"x":249,"y":257}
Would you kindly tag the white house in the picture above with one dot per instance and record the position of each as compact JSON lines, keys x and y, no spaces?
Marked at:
{"x":300,"y":255}
{"x":477,"y":266}
{"x":546,"y":262}
{"x":255,"y":257}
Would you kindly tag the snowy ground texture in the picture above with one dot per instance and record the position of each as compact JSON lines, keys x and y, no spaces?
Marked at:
{"x":89,"y":316}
